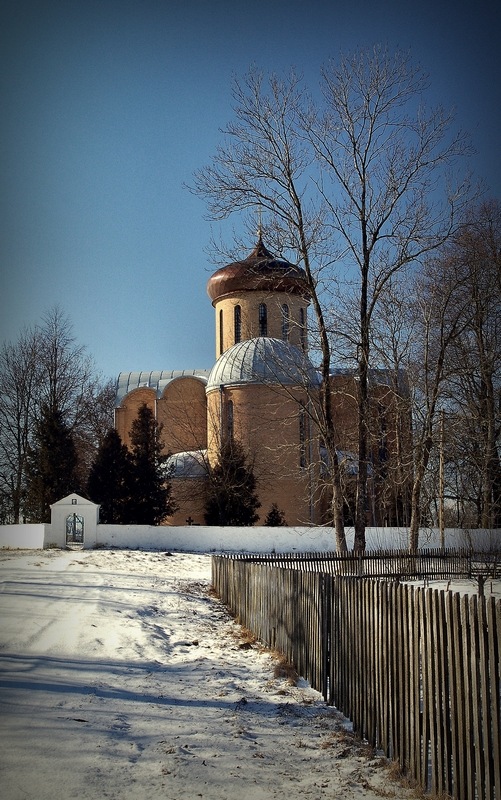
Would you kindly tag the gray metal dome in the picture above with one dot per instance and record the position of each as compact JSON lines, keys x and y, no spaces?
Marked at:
{"x":157,"y":380}
{"x":263,"y":361}
{"x":189,"y":464}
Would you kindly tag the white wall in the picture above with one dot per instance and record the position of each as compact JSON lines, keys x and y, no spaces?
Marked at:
{"x":281,"y":540}
{"x":397,"y":538}
{"x":24,"y":537}
{"x":204,"y":539}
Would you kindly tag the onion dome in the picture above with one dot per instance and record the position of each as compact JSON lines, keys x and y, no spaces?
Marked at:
{"x":263,"y":361}
{"x":260,"y":271}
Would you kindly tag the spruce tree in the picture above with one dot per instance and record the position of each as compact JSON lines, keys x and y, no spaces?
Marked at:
{"x":52,"y":469}
{"x":150,"y":499}
{"x":110,"y":477}
{"x":275,"y":518}
{"x":231,"y":495}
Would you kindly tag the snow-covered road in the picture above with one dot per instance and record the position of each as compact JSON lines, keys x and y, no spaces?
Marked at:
{"x":122,"y":677}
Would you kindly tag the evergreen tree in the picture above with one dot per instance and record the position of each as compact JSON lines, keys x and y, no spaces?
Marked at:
{"x":275,"y":518}
{"x":110,"y":479}
{"x":52,"y":467}
{"x":231,"y":496}
{"x":150,"y":499}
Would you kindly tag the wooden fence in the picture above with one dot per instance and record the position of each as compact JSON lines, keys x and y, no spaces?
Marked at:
{"x":416,"y":670}
{"x":392,"y":564}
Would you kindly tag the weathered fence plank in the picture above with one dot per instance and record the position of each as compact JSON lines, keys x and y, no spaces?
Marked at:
{"x":452,"y":622}
{"x":484,"y":766}
{"x":476,"y":697}
{"x":414,"y":755}
{"x":494,"y":649}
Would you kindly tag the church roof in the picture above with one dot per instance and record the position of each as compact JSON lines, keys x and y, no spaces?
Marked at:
{"x":157,"y":380}
{"x":263,"y":361}
{"x":260,"y":271}
{"x":188,"y":464}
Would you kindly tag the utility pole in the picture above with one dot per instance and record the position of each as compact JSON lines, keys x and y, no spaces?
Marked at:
{"x":441,"y":487}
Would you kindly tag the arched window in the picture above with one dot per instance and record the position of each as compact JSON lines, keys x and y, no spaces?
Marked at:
{"x":285,"y":322}
{"x":302,"y":439}
{"x":302,"y":328}
{"x":263,"y":320}
{"x":221,"y":332}
{"x":238,"y":323}
{"x":229,"y":419}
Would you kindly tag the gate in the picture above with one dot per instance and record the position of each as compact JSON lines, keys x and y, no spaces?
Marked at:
{"x":74,"y":530}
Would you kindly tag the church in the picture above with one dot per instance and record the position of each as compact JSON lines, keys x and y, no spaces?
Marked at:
{"x":262,"y":390}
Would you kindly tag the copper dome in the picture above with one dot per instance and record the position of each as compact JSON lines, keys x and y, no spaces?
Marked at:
{"x":260,"y":271}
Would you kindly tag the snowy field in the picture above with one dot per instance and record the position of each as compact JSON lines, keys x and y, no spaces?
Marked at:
{"x":122,"y":678}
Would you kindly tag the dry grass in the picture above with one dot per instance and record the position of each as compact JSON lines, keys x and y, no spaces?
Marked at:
{"x":345,"y":744}
{"x":245,"y":639}
{"x":396,"y":775}
{"x":284,"y":669}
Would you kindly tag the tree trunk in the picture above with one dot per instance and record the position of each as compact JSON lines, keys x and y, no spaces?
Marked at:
{"x":423,"y":456}
{"x":415,"y":516}
{"x":361,"y":500}
{"x":337,"y":508}
{"x":326,"y":401}
{"x":363,"y":397}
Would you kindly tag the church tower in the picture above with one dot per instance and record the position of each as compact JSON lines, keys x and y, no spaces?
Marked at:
{"x":262,"y":388}
{"x":259,"y":296}
{"x":261,"y":391}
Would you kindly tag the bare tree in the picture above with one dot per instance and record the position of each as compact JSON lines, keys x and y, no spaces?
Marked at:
{"x":383,"y":154}
{"x":46,"y":370}
{"x":265,"y":164}
{"x":94,"y":419}
{"x":353,"y":187}
{"x":68,"y":383}
{"x":442,"y":317}
{"x":19,"y":383}
{"x":475,"y":361}
{"x":393,"y":334}
{"x":64,"y":365}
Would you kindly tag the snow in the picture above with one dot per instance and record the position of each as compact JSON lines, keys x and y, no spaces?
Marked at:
{"x":121,"y":677}
{"x":491,"y":587}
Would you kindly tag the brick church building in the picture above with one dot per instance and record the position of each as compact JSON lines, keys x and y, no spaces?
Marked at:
{"x":263,"y":390}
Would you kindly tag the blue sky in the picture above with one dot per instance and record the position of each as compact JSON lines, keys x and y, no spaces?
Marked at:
{"x":108,"y":108}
